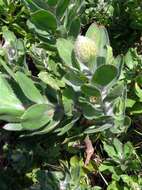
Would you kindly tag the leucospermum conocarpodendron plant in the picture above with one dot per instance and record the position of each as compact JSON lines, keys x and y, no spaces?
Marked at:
{"x":94,"y":86}
{"x":90,"y":87}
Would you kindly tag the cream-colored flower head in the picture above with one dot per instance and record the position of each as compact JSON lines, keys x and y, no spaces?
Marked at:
{"x":84,"y":49}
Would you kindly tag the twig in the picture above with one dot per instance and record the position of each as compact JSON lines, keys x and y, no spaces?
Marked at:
{"x":103,"y":179}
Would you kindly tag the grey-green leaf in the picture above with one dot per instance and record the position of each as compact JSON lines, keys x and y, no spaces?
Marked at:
{"x":54,"y":83}
{"x":9,"y":103}
{"x":37,"y":116}
{"x":65,"y":48}
{"x":104,"y":75}
{"x":90,"y":90}
{"x":8,"y":35}
{"x":50,"y":126}
{"x":28,"y":88}
{"x":69,"y":125}
{"x":89,"y":111}
{"x":13,"y":127}
{"x":96,"y":129}
{"x":116,"y":92}
{"x":99,"y":34}
{"x":44,"y":20}
{"x":75,"y":79}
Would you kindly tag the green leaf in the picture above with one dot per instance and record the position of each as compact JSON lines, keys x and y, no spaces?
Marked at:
{"x":115,"y":150}
{"x":50,"y":126}
{"x":2,"y":4}
{"x":8,"y":35}
{"x":31,"y":5}
{"x":138,"y":92}
{"x":37,"y":116}
{"x":65,"y":48}
{"x":90,"y":90}
{"x":114,"y":185}
{"x":127,"y":123}
{"x":128,"y":149}
{"x":76,"y":161}
{"x":75,"y":79}
{"x":137,"y":108}
{"x":109,"y":55}
{"x":44,"y":20}
{"x":52,"y":2}
{"x":11,"y":116}
{"x":89,"y":110}
{"x":131,"y":182}
{"x":20,"y":46}
{"x":96,"y":129}
{"x":8,"y":70}
{"x":75,"y":61}
{"x":61,"y":7}
{"x":41,"y":4}
{"x":118,"y":147}
{"x":130,"y":103}
{"x":110,"y":149}
{"x":116,"y":92}
{"x":13,"y":127}
{"x":67,"y":127}
{"x":106,"y":165}
{"x":72,"y":13}
{"x":104,"y":75}
{"x":139,"y":79}
{"x":75,"y":27}
{"x":28,"y":88}
{"x":119,"y":63}
{"x":68,"y":98}
{"x":9,"y":103}
{"x":42,"y":34}
{"x":130,"y":59}
{"x":45,"y":77}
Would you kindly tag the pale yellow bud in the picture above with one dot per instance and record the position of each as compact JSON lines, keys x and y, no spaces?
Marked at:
{"x":84,"y":49}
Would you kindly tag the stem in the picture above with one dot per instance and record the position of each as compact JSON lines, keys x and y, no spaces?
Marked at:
{"x":103,"y":179}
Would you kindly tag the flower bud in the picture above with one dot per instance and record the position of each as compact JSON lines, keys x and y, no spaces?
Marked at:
{"x":84,"y":49}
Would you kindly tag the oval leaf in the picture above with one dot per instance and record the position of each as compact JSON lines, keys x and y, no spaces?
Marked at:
{"x":35,"y":5}
{"x":28,"y":88}
{"x":13,"y":127}
{"x":75,"y":79}
{"x":45,"y":77}
{"x":89,"y":111}
{"x":96,"y":129}
{"x":90,"y":90}
{"x":99,"y":34}
{"x":104,"y":75}
{"x":75,"y":27}
{"x":44,"y":20}
{"x":68,"y":126}
{"x":50,"y":126}
{"x":37,"y":116}
{"x":52,"y":2}
{"x":65,"y":48}
{"x":9,"y":103}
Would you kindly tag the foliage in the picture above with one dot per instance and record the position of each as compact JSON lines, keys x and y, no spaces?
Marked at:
{"x":62,"y":83}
